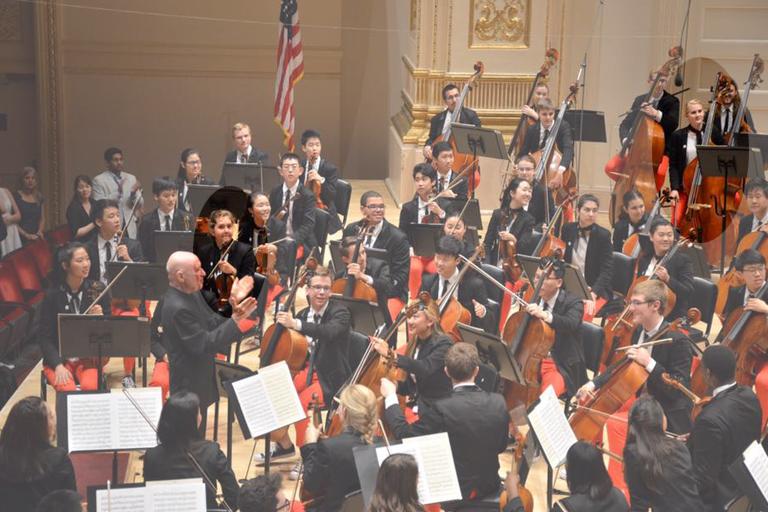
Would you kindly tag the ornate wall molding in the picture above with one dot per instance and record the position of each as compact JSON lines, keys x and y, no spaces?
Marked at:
{"x":10,"y":21}
{"x":499,"y":23}
{"x":496,"y":98}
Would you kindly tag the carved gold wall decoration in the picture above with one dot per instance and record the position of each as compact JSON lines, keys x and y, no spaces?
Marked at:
{"x":499,"y":23}
{"x":10,"y":21}
{"x":414,"y":14}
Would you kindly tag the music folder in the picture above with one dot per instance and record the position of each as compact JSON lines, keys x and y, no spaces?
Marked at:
{"x":366,"y":316}
{"x":551,"y":428}
{"x":168,"y":242}
{"x":423,"y":238}
{"x":251,"y":177}
{"x":573,"y":280}
{"x":493,"y":351}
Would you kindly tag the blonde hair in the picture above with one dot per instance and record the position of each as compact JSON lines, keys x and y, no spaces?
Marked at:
{"x":653,"y":290}
{"x":240,"y":126}
{"x":693,"y":102}
{"x":360,"y":410}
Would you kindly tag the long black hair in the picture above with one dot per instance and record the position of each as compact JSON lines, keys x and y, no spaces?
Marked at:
{"x":396,"y":485}
{"x":23,"y":441}
{"x":63,"y":256}
{"x":178,"y":421}
{"x":647,"y":441}
{"x":586,"y":471}
{"x":511,"y":187}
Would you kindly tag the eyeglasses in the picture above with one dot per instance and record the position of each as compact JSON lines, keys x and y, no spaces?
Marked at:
{"x":754,"y":270}
{"x":639,"y":302}
{"x":376,"y":206}
{"x":319,"y":288}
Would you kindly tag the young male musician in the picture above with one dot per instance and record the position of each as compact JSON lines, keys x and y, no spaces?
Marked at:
{"x":442,"y":161}
{"x":471,"y":290}
{"x":539,"y":203}
{"x":166,"y":217}
{"x":729,"y":102}
{"x":103,"y":248}
{"x":439,"y":124}
{"x":294,"y":204}
{"x":317,"y":168}
{"x":120,"y":186}
{"x":676,"y":273}
{"x":756,"y":192}
{"x":750,"y":265}
{"x":723,"y":429}
{"x":682,"y":150}
{"x":327,"y":326}
{"x":415,"y":211}
{"x":373,"y":272}
{"x":564,"y":370}
{"x":244,"y":152}
{"x":663,"y":108}
{"x":223,"y":255}
{"x":538,"y":133}
{"x":388,"y":237}
{"x":476,"y":421}
{"x":588,"y":246}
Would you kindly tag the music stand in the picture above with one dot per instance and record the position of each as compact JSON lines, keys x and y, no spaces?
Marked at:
{"x":573,"y":280}
{"x":198,"y":195}
{"x":493,"y":351}
{"x":226,"y":373}
{"x":251,"y":177}
{"x":471,"y":215}
{"x":725,"y":162}
{"x":213,"y":197}
{"x":423,"y":238}
{"x":754,"y":140}
{"x":366,"y":316}
{"x":168,"y":242}
{"x":376,"y":253}
{"x":698,"y":259}
{"x":478,"y":142}
{"x":334,"y":247}
{"x":103,"y":336}
{"x":747,"y":484}
{"x":586,"y":125}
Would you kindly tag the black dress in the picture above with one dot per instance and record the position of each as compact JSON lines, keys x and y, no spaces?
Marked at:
{"x":31,"y":214}
{"x":58,"y":474}
{"x":77,"y":217}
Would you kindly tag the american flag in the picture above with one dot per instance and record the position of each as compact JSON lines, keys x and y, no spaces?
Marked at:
{"x":290,"y":69}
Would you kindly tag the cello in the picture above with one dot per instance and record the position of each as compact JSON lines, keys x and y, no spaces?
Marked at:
{"x":635,"y":166}
{"x":461,"y":160}
{"x":350,"y":286}
{"x":550,"y":246}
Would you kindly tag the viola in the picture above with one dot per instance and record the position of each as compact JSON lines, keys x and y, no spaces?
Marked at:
{"x":508,"y":253}
{"x":698,"y":403}
{"x":635,"y":166}
{"x":462,"y":160}
{"x":316,"y":187}
{"x":350,"y":286}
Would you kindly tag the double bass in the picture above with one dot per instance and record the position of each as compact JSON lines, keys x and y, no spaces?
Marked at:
{"x":463,"y":161}
{"x":635,"y":166}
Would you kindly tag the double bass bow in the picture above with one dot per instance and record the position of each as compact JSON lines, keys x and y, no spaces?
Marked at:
{"x":635,"y":166}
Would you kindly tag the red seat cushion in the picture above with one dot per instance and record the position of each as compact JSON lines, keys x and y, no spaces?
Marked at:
{"x":25,"y":268}
{"x":41,"y":253}
{"x":59,"y":235}
{"x":10,"y":288}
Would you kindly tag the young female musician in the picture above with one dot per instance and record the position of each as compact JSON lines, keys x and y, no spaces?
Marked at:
{"x":329,"y":466}
{"x":396,"y":485}
{"x":539,"y":204}
{"x":71,"y":292}
{"x":510,"y":223}
{"x":588,"y":481}
{"x":190,"y":171}
{"x":632,"y":220}
{"x":30,"y":466}
{"x":658,"y":469}
{"x":179,"y":437}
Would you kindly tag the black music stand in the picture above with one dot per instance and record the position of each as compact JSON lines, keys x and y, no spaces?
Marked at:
{"x":168,"y":242}
{"x":471,"y":215}
{"x":698,"y":259}
{"x":493,"y":351}
{"x":573,"y":280}
{"x":423,"y":238}
{"x":478,"y":142}
{"x":251,"y":177}
{"x":725,"y":162}
{"x":379,"y":254}
{"x":214,"y":197}
{"x":198,"y":196}
{"x":586,"y":125}
{"x":754,"y":140}
{"x":366,"y":316}
{"x":226,"y":373}
{"x":103,"y":336}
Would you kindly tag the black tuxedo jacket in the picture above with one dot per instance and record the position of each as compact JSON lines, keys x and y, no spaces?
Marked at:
{"x":431,"y":381}
{"x":477,"y":424}
{"x":670,"y":114}
{"x":734,"y":300}
{"x":721,"y":433}
{"x":329,"y":469}
{"x":395,"y":242}
{"x":564,"y":141}
{"x":521,"y":228}
{"x":303,"y":220}
{"x":255,"y":157}
{"x":181,"y":221}
{"x":58,"y":474}
{"x":470,"y":288}
{"x":621,"y":230}
{"x":134,"y":251}
{"x":328,"y":191}
{"x":745,"y":226}
{"x":567,"y":351}
{"x":409,"y":213}
{"x":468,"y":116}
{"x":717,"y":131}
{"x":598,"y":262}
{"x":461,"y":189}
{"x":332,"y":346}
{"x":192,"y":335}
{"x":680,"y":271}
{"x":286,"y":250}
{"x":538,"y":205}
{"x":163,"y":463}
{"x":239,"y":256}
{"x":181,"y":197}
{"x":56,"y":301}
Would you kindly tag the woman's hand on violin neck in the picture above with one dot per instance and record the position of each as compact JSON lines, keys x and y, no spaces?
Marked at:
{"x":312,"y":434}
{"x":227,"y":268}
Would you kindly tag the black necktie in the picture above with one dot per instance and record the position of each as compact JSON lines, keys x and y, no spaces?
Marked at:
{"x":442,"y":184}
{"x":108,"y":249}
{"x":727,"y":120}
{"x":445,"y":288}
{"x":544,"y":139}
{"x":243,"y":159}
{"x":167,"y":222}
{"x":368,"y":240}
{"x":546,"y":306}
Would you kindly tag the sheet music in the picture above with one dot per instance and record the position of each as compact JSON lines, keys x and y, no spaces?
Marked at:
{"x":129,"y":499}
{"x":87,"y":428}
{"x":159,"y":496}
{"x":438,"y":481}
{"x":547,"y":419}
{"x":132,"y":430}
{"x":268,"y":400}
{"x":756,"y":462}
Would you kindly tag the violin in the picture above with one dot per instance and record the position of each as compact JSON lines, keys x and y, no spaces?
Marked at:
{"x":522,"y":492}
{"x":508,"y":253}
{"x":462,"y":160}
{"x":222,"y":282}
{"x":635,"y":166}
{"x":316,"y":187}
{"x":451,"y":310}
{"x":350,"y":286}
{"x":317,"y":420}
{"x":529,"y":340}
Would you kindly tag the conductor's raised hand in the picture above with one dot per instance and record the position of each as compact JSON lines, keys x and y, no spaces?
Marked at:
{"x":243,"y":309}
{"x":240,"y":289}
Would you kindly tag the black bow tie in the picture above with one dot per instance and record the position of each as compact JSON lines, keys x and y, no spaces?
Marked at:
{"x":585,"y":231}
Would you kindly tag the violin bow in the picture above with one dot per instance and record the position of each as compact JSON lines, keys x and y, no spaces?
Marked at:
{"x":226,"y":251}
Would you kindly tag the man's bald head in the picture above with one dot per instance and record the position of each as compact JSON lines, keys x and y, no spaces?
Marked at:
{"x":184,"y":271}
